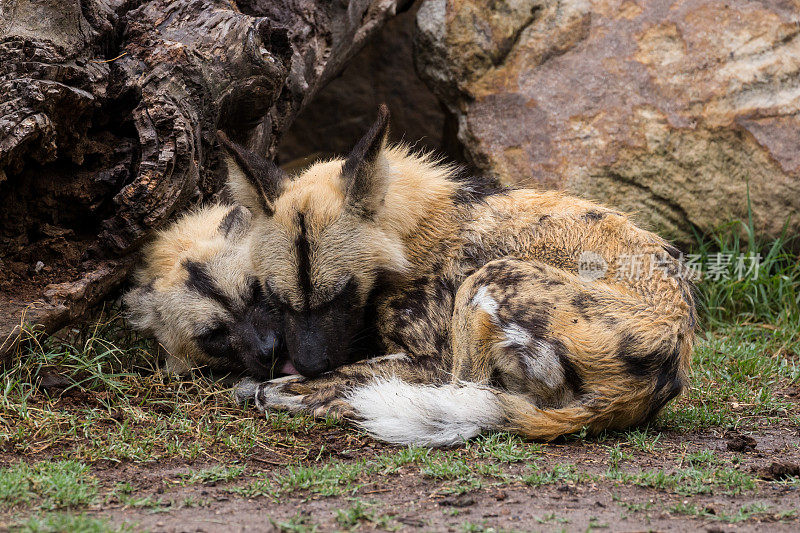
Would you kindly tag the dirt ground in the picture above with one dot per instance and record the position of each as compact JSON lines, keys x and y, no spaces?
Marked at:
{"x":414,"y":502}
{"x":410,"y":498}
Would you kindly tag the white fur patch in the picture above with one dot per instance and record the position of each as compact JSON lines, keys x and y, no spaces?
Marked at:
{"x":541,"y":363}
{"x":538,"y":356}
{"x":484,"y":300}
{"x":515,"y":334}
{"x":399,"y":356}
{"x":429,"y":415}
{"x":287,"y":379}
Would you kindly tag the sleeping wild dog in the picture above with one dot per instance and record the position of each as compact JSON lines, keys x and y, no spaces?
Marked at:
{"x":481,"y":296}
{"x":198,"y":295}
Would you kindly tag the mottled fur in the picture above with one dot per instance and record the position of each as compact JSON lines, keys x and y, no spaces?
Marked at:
{"x":196,"y":292}
{"x":478,"y":290}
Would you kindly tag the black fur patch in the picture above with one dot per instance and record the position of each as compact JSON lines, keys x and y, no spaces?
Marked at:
{"x":443,"y":289}
{"x":216,"y":342}
{"x":474,"y":189}
{"x":584,"y":303}
{"x":473,"y":257}
{"x":610,"y":320}
{"x":399,"y":339}
{"x":643,"y":365}
{"x":672,"y":251}
{"x":258,"y":297}
{"x":593,"y":216}
{"x":627,"y":345}
{"x":502,"y":273}
{"x":149,"y":287}
{"x":571,"y":375}
{"x":202,"y":283}
{"x":412,"y":304}
{"x":442,"y":342}
{"x":233,"y":220}
{"x":347,"y":298}
{"x":536,"y":324}
{"x":417,"y":315}
{"x":661,"y":365}
{"x":303,"y":259}
{"x":668,"y":385}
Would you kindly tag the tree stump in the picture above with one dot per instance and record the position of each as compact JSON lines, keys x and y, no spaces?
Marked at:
{"x":108,"y":113}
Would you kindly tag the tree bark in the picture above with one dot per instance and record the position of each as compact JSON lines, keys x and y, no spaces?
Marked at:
{"x":108,"y":113}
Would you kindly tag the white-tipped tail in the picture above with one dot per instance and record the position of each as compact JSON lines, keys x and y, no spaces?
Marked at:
{"x":430,"y":415}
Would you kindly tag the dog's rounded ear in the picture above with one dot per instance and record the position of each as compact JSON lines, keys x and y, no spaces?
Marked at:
{"x":236,"y":223}
{"x":254,"y":181}
{"x":364,"y":178}
{"x":140,"y":305}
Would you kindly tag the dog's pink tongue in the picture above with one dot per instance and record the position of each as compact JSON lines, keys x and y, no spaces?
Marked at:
{"x":288,"y":368}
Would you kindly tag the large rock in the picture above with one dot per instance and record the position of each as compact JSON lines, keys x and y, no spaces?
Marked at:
{"x":668,"y":110}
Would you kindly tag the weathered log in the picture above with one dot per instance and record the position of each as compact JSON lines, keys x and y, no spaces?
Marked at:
{"x":108,"y":110}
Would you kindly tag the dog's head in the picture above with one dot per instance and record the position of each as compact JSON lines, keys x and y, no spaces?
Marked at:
{"x":197,"y":293}
{"x":317,"y":245}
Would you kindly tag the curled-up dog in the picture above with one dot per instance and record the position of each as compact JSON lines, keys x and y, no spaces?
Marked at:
{"x":502,"y":309}
{"x":197,"y":293}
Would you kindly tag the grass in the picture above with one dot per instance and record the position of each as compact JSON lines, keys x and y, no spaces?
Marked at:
{"x":299,"y":523}
{"x":506,"y":448}
{"x":61,"y":522}
{"x":743,"y":513}
{"x":326,"y":480}
{"x":471,"y":527}
{"x":551,"y":518}
{"x":115,"y":406}
{"x":643,"y":439}
{"x":617,"y":456}
{"x":737,"y":376}
{"x":216,"y":474}
{"x":362,"y":513}
{"x":458,"y":471}
{"x":48,"y":485}
{"x":119,"y":406}
{"x":547,"y":476}
{"x":770,"y":296}
{"x":689,"y":481}
{"x":751,"y":326}
{"x":634,"y":507}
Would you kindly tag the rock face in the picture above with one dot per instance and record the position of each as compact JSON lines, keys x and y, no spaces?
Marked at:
{"x":668,"y":110}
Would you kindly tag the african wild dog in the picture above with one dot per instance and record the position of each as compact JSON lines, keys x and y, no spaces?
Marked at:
{"x":198,"y":294}
{"x":477,"y":292}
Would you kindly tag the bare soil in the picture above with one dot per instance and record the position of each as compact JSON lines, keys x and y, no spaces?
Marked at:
{"x":408,"y":500}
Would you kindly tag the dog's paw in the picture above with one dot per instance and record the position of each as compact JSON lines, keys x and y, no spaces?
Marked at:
{"x":245,"y":390}
{"x":271,"y":396}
